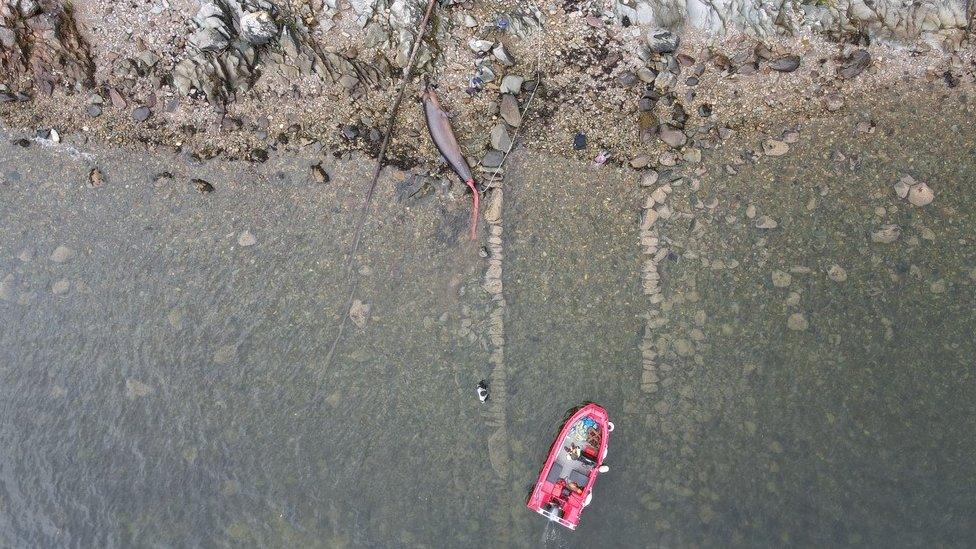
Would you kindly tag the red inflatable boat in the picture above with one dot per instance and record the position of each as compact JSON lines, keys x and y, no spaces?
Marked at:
{"x":576,"y":457}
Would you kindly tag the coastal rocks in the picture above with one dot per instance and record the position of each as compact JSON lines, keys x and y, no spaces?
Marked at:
{"x":942,"y":23}
{"x":40,"y":44}
{"x":237,"y":42}
{"x":855,"y":65}
{"x":788,"y":63}
{"x":480,"y":46}
{"x":662,"y":41}
{"x":258,"y":27}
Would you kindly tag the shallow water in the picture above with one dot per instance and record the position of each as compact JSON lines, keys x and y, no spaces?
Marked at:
{"x":174,"y":391}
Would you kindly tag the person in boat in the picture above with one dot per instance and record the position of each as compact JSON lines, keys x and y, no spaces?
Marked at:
{"x":574,"y":452}
{"x":576,"y":488}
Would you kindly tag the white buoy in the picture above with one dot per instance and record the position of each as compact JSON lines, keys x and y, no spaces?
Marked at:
{"x":610,"y":426}
{"x":604,"y":468}
{"x":589,"y":498}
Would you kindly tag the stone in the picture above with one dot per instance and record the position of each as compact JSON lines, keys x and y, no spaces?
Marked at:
{"x":662,"y":41}
{"x":7,"y":286}
{"x":640,"y":161}
{"x":246,"y":239}
{"x":60,"y":287}
{"x":258,"y":155}
{"x":225,"y":354}
{"x":350,"y":131}
{"x":887,"y":234}
{"x":938,"y":287}
{"x":665,"y":80}
{"x":673,"y":137}
{"x":358,"y":313}
{"x":141,"y":114}
{"x":94,"y":111}
{"x":319,"y":175}
{"x":95,"y":178}
{"x":209,"y":40}
{"x":135,"y":389}
{"x":649,"y":179}
{"x":683,"y":347}
{"x":509,"y":110}
{"x":258,"y":28}
{"x":788,"y":63}
{"x":62,"y":254}
{"x":837,"y":273}
{"x":859,"y":60}
{"x":797,"y":322}
{"x":766,"y":222}
{"x":833,"y":102}
{"x":502,"y":55}
{"x":499,"y":137}
{"x":348,"y":82}
{"x":775,"y":147}
{"x":903,"y":186}
{"x":781,"y":279}
{"x":693,"y":156}
{"x":511,"y":84}
{"x":480,"y":46}
{"x":117,"y":100}
{"x":920,"y":195}
{"x":493,"y":207}
{"x":470,"y":21}
{"x":751,"y":211}
{"x":627,"y":79}
{"x":493,"y":159}
{"x":579,"y":141}
{"x":202,"y":186}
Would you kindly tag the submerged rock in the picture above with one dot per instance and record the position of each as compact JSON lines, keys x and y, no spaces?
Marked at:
{"x":920,"y":195}
{"x":887,"y":234}
{"x":359,"y":313}
{"x":797,"y":322}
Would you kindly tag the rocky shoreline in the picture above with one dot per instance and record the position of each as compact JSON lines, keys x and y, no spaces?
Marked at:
{"x":237,"y":78}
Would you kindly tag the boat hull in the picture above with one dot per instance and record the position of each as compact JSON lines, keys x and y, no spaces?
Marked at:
{"x":566,"y":480}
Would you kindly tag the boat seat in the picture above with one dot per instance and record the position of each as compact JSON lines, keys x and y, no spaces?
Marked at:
{"x":555,"y":472}
{"x":579,"y":477}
